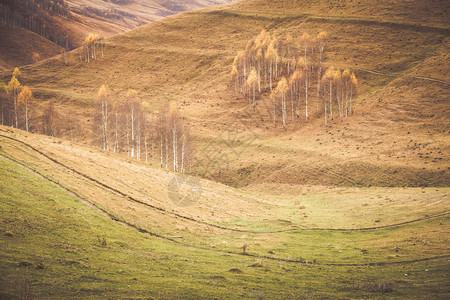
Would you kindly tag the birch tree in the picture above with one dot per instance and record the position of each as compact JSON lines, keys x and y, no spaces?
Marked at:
{"x":104,"y":103}
{"x":329,"y":76}
{"x":251,"y":82}
{"x":353,"y":89}
{"x":271,"y":55}
{"x":282,"y":89}
{"x":13,"y":90}
{"x":25,"y":98}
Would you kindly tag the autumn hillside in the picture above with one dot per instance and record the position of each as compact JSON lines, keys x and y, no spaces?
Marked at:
{"x":397,"y":136}
{"x":47,"y":27}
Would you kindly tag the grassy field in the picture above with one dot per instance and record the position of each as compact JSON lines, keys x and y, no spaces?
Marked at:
{"x":356,"y":210}
{"x":56,"y":213}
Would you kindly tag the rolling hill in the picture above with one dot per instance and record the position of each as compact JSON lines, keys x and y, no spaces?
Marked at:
{"x":397,"y":137}
{"x":89,"y":230}
{"x":357,"y":209}
{"x":68,"y":28}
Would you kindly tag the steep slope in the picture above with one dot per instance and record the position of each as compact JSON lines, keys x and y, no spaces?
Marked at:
{"x":397,"y":137}
{"x":13,"y":54}
{"x":66,"y":23}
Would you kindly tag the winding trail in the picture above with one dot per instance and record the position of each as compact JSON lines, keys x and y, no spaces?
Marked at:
{"x":162,"y":210}
{"x":104,"y":212}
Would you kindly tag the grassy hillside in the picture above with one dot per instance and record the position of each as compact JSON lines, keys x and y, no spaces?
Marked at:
{"x":103,"y":17}
{"x":14,"y":54}
{"x":397,"y":137}
{"x":85,"y":230}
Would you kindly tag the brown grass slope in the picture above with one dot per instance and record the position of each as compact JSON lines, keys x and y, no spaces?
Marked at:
{"x":399,"y":135}
{"x":14,"y":53}
{"x":18,"y":44}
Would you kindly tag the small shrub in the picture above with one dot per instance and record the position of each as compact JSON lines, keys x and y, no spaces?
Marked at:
{"x":235,"y":270}
{"x":101,"y":240}
{"x":378,"y":287}
{"x":9,"y":233}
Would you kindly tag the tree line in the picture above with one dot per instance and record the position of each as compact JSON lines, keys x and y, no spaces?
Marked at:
{"x":291,"y":71}
{"x":123,"y":127}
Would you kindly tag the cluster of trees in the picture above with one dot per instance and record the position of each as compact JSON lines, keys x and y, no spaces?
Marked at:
{"x":16,"y":100}
{"x":34,"y":15}
{"x":19,"y":109}
{"x":292,"y":72}
{"x":93,"y":47}
{"x":123,"y":127}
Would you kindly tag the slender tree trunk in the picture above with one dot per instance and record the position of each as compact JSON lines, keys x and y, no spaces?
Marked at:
{"x":254,"y":94}
{"x":128,"y":137}
{"x":167,"y":153}
{"x":259,"y":75}
{"x":265,"y":75}
{"x":271,"y":71}
{"x":182,"y":155}
{"x":146,"y":150}
{"x":15,"y":108}
{"x":132,"y":132}
{"x":306,"y":96}
{"x":116,"y":140}
{"x":351,"y":96}
{"x":331,"y":104}
{"x":283,"y":109}
{"x":162,"y":156}
{"x":103,"y":126}
{"x":174,"y":146}
{"x":26,"y":116}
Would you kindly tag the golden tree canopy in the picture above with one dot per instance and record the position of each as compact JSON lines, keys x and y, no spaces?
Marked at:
{"x":305,"y":39}
{"x":346,"y":74}
{"x":322,"y":36}
{"x":16,"y":73}
{"x":234,"y":70}
{"x":329,"y":73}
{"x":337,"y":74}
{"x":253,"y":77}
{"x":271,"y":52}
{"x":103,"y":91}
{"x":25,"y":96}
{"x":354,"y":79}
{"x":282,"y":86}
{"x":289,"y":39}
{"x":13,"y":85}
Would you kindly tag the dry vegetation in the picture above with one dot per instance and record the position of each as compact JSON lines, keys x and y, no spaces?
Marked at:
{"x":398,"y":135}
{"x":315,"y":201}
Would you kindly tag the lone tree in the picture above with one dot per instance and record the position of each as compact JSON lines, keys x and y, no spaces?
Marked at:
{"x":25,"y":98}
{"x":51,"y":120}
{"x":36,"y":57}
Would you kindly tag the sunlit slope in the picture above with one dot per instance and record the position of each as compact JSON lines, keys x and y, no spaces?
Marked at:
{"x":107,"y":228}
{"x":397,"y":137}
{"x":225,"y":219}
{"x":105,"y":18}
